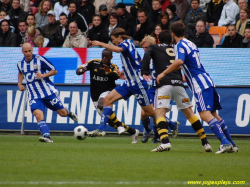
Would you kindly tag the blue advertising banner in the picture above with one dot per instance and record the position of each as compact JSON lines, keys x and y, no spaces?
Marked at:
{"x":234,"y":100}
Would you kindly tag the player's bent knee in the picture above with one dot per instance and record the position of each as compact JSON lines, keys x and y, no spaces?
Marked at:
{"x":62,"y":112}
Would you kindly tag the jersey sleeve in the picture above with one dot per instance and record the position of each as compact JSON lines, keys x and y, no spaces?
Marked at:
{"x":145,"y":70}
{"x":124,"y":45}
{"x":19,"y":68}
{"x":180,"y":52}
{"x":46,"y":64}
{"x":114,"y":72}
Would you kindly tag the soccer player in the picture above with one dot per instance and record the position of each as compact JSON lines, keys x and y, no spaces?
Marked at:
{"x":41,"y":91}
{"x":200,"y":83}
{"x":170,"y":88}
{"x":134,"y":83}
{"x":102,"y":80}
{"x":145,"y":43}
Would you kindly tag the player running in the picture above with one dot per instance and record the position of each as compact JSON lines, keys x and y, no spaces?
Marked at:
{"x":200,"y":83}
{"x":170,"y":88}
{"x":102,"y":80}
{"x":145,"y":43}
{"x":134,"y":83}
{"x":41,"y":91}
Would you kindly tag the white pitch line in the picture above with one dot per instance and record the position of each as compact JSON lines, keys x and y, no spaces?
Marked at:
{"x":91,"y":182}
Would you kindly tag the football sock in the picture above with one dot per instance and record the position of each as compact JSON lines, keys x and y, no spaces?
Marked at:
{"x":226,"y":132}
{"x":146,"y":124}
{"x":162,"y":128}
{"x":114,"y":119}
{"x":215,"y":127}
{"x":197,"y":126}
{"x":170,"y":123}
{"x":44,"y":129}
{"x":107,"y":111}
{"x":155,"y":131}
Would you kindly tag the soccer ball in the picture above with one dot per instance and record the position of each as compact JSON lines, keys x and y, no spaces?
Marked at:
{"x":80,"y":132}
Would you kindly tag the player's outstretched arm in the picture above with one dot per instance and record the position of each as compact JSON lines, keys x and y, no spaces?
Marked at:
{"x":20,"y":80}
{"x":39,"y":75}
{"x":81,"y":70}
{"x":107,"y":46}
{"x":175,"y":66}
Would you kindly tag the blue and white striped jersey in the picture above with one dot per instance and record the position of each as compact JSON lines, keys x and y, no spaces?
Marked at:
{"x":131,"y":63}
{"x":37,"y":88}
{"x":152,"y":72}
{"x":197,"y":78}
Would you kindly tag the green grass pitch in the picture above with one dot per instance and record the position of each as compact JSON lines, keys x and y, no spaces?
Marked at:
{"x":113,"y":161}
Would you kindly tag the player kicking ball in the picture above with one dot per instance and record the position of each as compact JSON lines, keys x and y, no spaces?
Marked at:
{"x":41,"y":91}
{"x":103,"y":75}
{"x":200,"y":83}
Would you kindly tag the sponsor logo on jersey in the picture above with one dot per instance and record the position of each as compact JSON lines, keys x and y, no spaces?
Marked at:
{"x":97,"y":78}
{"x":95,"y":70}
{"x":208,"y":106}
{"x":163,"y":97}
{"x":176,"y":81}
{"x":32,"y":101}
{"x":185,"y":100}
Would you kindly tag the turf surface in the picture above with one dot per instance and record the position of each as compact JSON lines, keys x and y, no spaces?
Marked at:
{"x":114,"y":161}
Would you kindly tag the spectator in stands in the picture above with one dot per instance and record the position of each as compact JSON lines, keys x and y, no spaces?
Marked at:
{"x":41,"y":15}
{"x":113,"y":23}
{"x":234,"y":39}
{"x":25,"y":5}
{"x":241,"y":4}
{"x":165,"y":4}
{"x":98,"y":31}
{"x":195,"y":14}
{"x":5,"y":5}
{"x":75,"y":39}
{"x":103,"y":11}
{"x":164,"y":21}
{"x":4,"y":15}
{"x":156,"y":33}
{"x":61,"y":7}
{"x":62,"y":31}
{"x":182,"y":8}
{"x":87,"y":10}
{"x":49,"y":30}
{"x":127,"y":21}
{"x":109,"y":3}
{"x":40,"y":41}
{"x":246,"y":41}
{"x":31,"y":20}
{"x":7,"y":38}
{"x":154,"y":15}
{"x":243,"y":22}
{"x":171,"y":14}
{"x":32,"y":33}
{"x":23,"y":33}
{"x":229,"y":11}
{"x":74,"y":16}
{"x":145,"y":26}
{"x":214,"y":10}
{"x":16,"y":13}
{"x":140,"y":4}
{"x":201,"y":37}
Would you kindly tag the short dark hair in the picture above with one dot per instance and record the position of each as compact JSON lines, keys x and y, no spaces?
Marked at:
{"x":63,"y":14}
{"x":195,"y":0}
{"x":114,"y":15}
{"x":97,"y":15}
{"x":165,"y":37}
{"x":231,"y":25}
{"x":178,"y":28}
{"x":20,"y":21}
{"x":72,"y":2}
{"x":142,"y":10}
{"x":5,"y":20}
{"x":163,"y":14}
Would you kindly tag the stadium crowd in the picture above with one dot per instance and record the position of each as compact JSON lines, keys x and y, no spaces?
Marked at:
{"x":48,"y":23}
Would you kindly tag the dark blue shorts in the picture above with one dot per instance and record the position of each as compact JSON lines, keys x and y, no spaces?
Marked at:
{"x":52,"y":102}
{"x":208,"y":100}
{"x":139,"y":91}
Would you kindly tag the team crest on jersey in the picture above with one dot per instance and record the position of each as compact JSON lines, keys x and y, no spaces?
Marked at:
{"x":181,"y":50}
{"x":95,"y":70}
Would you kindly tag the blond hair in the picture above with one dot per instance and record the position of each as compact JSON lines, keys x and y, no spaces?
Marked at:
{"x":40,"y":8}
{"x":31,"y":30}
{"x":149,"y":39}
{"x":39,"y":40}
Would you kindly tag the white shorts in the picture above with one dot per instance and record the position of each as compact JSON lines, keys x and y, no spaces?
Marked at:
{"x":166,"y":93}
{"x":104,"y":94}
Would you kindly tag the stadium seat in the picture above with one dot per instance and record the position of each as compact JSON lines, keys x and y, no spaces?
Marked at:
{"x":217,"y":39}
{"x":221,"y":30}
